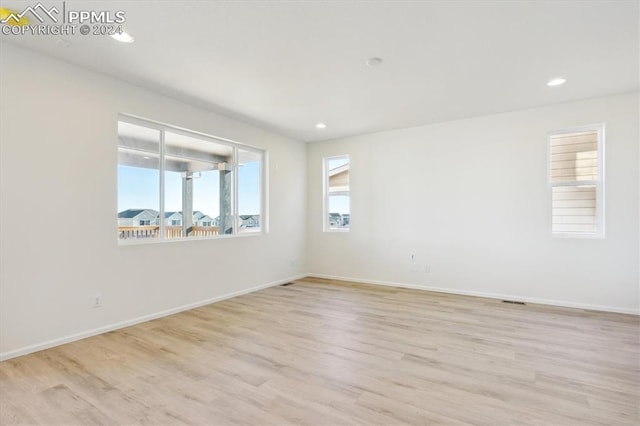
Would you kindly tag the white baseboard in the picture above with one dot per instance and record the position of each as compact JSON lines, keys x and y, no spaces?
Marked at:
{"x":93,"y":332}
{"x":88,"y":333}
{"x":551,"y":302}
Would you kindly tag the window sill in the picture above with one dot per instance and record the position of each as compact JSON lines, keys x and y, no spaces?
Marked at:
{"x":563,"y":235}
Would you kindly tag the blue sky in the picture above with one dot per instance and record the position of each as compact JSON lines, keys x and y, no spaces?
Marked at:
{"x":139,"y":188}
{"x":339,"y":204}
{"x":337,"y":162}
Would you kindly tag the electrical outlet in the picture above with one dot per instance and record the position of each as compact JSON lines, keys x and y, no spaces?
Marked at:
{"x":412,"y":257}
{"x":427,"y":269}
{"x":97,"y":300}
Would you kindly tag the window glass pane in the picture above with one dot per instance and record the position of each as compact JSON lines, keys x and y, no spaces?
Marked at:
{"x":574,"y":209}
{"x":338,"y":169}
{"x":249,"y":190}
{"x":138,"y":181}
{"x":337,"y":193}
{"x":206,"y":202}
{"x":173,"y":204}
{"x":338,"y":212}
{"x":574,"y":157}
{"x":198,"y":185}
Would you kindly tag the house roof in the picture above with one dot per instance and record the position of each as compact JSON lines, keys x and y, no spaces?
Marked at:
{"x":131,"y":213}
{"x":197,"y":215}
{"x":340,"y":169}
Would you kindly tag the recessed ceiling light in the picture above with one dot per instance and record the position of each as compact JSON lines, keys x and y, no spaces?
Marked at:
{"x":372,"y":62}
{"x":123,"y":37}
{"x":321,"y":126}
{"x":558,"y":81}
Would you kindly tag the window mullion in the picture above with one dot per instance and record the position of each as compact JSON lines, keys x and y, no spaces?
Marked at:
{"x":234,"y":192}
{"x":576,"y":183}
{"x":325,"y":207}
{"x":162,"y":167}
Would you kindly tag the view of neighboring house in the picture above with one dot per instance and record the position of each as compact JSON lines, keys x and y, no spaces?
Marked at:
{"x":137,"y":217}
{"x":201,"y":219}
{"x":245,"y":221}
{"x":339,"y":220}
{"x":335,"y":219}
{"x":172,"y":219}
{"x":250,"y":221}
{"x":150,"y":217}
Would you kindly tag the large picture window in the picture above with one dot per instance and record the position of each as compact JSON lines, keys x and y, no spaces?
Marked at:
{"x":176,"y":184}
{"x":576,"y":179}
{"x":337,"y":212}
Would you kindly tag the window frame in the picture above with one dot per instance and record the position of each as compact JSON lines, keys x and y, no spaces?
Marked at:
{"x":598,"y":183}
{"x":325,"y":192}
{"x":162,"y":128}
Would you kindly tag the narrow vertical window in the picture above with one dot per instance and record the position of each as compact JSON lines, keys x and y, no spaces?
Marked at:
{"x":138,"y":181}
{"x":576,"y":179}
{"x":249,"y":190}
{"x":337,"y":215}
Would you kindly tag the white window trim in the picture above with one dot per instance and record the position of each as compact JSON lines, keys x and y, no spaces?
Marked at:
{"x":598,"y":183}
{"x":325,"y":191}
{"x":162,"y":128}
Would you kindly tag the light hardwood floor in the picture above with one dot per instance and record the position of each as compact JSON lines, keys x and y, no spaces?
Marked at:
{"x":327,"y":353}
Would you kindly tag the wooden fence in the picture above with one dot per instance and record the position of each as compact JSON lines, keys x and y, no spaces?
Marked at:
{"x":170,"y":232}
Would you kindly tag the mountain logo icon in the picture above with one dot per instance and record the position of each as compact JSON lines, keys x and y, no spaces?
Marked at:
{"x":39,"y":11}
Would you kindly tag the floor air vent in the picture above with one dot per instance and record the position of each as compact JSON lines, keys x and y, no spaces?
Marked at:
{"x":513,"y":302}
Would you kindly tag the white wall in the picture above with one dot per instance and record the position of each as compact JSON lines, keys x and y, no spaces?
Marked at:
{"x":58,"y":139}
{"x":470,"y":199}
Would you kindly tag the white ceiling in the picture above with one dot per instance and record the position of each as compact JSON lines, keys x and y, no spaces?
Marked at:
{"x":285,"y":65}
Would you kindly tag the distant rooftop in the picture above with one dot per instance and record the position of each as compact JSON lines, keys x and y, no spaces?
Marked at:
{"x":131,"y":213}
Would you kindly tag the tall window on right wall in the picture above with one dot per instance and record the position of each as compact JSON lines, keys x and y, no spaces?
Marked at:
{"x":337,"y":215}
{"x":576,"y":180}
